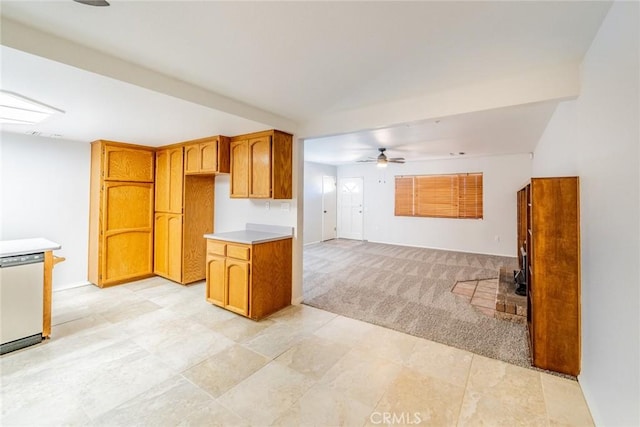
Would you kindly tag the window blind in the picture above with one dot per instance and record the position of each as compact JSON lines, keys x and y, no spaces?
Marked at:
{"x":440,"y":196}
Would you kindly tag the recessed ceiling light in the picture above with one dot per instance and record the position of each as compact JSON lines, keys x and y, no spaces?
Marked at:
{"x":17,"y":110}
{"x":93,"y":2}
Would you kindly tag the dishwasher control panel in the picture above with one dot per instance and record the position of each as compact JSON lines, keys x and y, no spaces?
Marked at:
{"x":12,"y":261}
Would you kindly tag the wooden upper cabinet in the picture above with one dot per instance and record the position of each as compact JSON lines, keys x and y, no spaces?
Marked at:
{"x":127,"y":164}
{"x":169,"y":180}
{"x":261,"y":165}
{"x":240,"y":169}
{"x":207,"y":156}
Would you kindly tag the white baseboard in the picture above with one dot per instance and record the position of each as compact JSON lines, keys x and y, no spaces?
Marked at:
{"x":297,"y":301}
{"x":311,"y":243}
{"x":443,"y":249}
{"x":71,"y":286}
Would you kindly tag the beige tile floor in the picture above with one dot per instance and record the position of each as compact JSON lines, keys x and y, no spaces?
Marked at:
{"x":155,"y":353}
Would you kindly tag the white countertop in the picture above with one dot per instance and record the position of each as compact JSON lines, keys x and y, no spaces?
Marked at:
{"x":26,"y":246}
{"x":254,"y":233}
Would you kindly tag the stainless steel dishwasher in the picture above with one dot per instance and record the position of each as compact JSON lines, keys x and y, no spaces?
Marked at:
{"x":21,"y":301}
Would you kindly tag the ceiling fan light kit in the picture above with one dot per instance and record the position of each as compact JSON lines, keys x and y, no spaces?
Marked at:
{"x":382,"y":160}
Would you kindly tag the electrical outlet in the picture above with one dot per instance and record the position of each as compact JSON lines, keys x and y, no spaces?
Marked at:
{"x":267,"y":205}
{"x":285,"y":206}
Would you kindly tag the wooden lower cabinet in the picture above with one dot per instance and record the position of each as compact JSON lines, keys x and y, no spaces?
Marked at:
{"x":237,"y":286}
{"x":216,"y":286}
{"x":168,"y":246}
{"x":252,"y":280}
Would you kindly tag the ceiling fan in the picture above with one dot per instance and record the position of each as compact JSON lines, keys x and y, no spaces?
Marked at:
{"x":382,"y":159}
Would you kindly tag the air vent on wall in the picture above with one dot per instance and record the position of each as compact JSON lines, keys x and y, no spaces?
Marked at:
{"x":43,"y":134}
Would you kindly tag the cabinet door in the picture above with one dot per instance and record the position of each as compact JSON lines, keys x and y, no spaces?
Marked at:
{"x":260,"y":167}
{"x":168,"y":246}
{"x":174,"y":247}
{"x":192,"y":158}
{"x":175,"y":185}
{"x":237,"y":280}
{"x":209,"y":156}
{"x":240,"y":168}
{"x":216,"y":280}
{"x":162,"y":181}
{"x":160,"y":245}
{"x":128,"y":164}
{"x":169,"y":180}
{"x":127,"y":231}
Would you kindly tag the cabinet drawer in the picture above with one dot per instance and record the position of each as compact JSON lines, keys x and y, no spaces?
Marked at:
{"x":216,"y":248}
{"x":238,"y":252}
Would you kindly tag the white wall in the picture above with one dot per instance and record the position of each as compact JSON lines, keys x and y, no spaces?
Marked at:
{"x":596,"y":137}
{"x":234,"y":214}
{"x":503,"y":176}
{"x":44,"y":186}
{"x":313,"y":173}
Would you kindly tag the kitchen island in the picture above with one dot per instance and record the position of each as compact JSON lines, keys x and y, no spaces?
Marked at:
{"x":249,"y":271}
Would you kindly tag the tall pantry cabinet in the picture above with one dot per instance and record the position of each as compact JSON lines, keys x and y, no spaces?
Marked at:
{"x":121,"y":207}
{"x":549,"y":233}
{"x":184,"y":209}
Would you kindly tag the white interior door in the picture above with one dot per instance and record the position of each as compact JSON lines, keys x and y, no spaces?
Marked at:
{"x":350,"y":208}
{"x":329,"y":208}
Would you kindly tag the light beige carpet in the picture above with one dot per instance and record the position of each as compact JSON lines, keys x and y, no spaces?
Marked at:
{"x":409,"y":290}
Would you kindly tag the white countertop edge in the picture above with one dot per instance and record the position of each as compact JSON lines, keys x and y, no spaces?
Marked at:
{"x":248,"y":237}
{"x":26,"y":246}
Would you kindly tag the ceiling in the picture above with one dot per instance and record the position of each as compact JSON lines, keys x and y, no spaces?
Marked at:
{"x":299,"y":60}
{"x":500,"y":131}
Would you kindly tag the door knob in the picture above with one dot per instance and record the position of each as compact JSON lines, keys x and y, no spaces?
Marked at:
{"x":325,"y":211}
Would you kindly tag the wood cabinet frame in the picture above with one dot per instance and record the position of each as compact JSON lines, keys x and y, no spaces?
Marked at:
{"x":261,"y":165}
{"x":264,"y":286}
{"x":207,"y":155}
{"x":549,"y":229}
{"x":120,"y":166}
{"x":179,"y":248}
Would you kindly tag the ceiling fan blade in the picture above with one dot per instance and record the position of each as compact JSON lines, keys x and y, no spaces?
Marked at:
{"x":366,"y":161}
{"x":395,"y":158}
{"x":396,"y":161}
{"x":93,"y":2}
